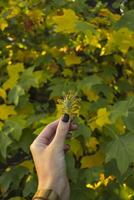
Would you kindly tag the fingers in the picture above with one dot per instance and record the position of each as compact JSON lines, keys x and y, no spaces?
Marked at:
{"x":46,"y":134}
{"x":61,"y":132}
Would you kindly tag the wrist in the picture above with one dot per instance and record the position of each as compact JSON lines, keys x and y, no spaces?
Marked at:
{"x":50,"y":185}
{"x":46,"y":195}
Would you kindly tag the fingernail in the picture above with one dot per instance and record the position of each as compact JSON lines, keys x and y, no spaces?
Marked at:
{"x":65,"y":118}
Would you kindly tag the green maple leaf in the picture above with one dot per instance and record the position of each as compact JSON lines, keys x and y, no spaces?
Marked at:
{"x":122,"y":150}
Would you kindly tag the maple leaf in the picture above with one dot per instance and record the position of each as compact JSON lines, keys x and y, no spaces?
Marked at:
{"x":3,"y":93}
{"x":5,"y":111}
{"x":72,"y":59}
{"x":102,"y":117}
{"x":66,"y":22}
{"x":76,"y":148}
{"x":93,"y":160}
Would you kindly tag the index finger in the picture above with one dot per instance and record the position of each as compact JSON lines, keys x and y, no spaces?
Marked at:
{"x":47,"y":133}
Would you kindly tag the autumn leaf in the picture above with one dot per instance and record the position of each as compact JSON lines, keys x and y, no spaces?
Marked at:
{"x":13,"y":73}
{"x":66,"y":22}
{"x":119,"y":40}
{"x":36,"y":16}
{"x":1,"y":125}
{"x":28,"y":164}
{"x":72,"y":59}
{"x":120,"y":126}
{"x":102,"y":117}
{"x":6,"y":111}
{"x":3,"y":93}
{"x":3,"y":24}
{"x":76,"y":148}
{"x":11,"y":82}
{"x":91,"y":94}
{"x":15,"y":69}
{"x":92,"y":161}
{"x":92,"y":144}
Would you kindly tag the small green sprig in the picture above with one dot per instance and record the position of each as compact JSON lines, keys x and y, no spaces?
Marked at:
{"x":69,"y":104}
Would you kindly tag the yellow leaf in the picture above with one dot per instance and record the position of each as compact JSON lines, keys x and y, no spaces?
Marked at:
{"x":66,"y":22}
{"x":28,"y":164}
{"x":93,"y":160}
{"x":94,"y":186}
{"x":102,"y":181}
{"x":76,"y":148}
{"x":1,"y":125}
{"x":91,"y":95}
{"x":3,"y":93}
{"x":3,"y":24}
{"x":120,"y":126}
{"x":14,"y":11}
{"x":92,"y":125}
{"x":5,"y":111}
{"x":67,"y":72}
{"x":105,"y":181}
{"x":72,"y":59}
{"x":93,"y":40}
{"x":92,"y":143}
{"x":119,"y":40}
{"x":15,"y":69}
{"x":36,"y":15}
{"x":102,"y":117}
{"x":13,"y":72}
{"x":11,"y":82}
{"x":104,"y":12}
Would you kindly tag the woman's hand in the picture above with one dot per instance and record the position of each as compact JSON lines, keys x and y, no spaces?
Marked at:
{"x":49,"y":158}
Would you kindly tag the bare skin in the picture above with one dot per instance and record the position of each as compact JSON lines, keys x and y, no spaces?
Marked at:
{"x":48,"y":151}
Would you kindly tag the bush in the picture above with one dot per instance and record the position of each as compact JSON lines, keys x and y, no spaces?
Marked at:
{"x":47,"y":47}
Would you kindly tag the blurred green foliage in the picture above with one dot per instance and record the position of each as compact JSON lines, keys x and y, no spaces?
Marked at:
{"x":47,"y":47}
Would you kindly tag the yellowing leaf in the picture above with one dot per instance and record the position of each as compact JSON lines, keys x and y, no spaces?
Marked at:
{"x":67,"y":72}
{"x":91,"y":95}
{"x":93,"y":41}
{"x":72,"y":59}
{"x":102,"y":117}
{"x":5,"y":111}
{"x":76,"y":148}
{"x":3,"y":24}
{"x":14,"y":11}
{"x":15,"y":69}
{"x":3,"y":93}
{"x":93,"y":125}
{"x":92,"y":143}
{"x":120,"y":40}
{"x":66,"y":22}
{"x":36,"y":16}
{"x":102,"y":181}
{"x":104,"y":12}
{"x":120,"y":126}
{"x":93,"y":160}
{"x":11,"y":82}
{"x":28,"y":164}
{"x":1,"y":125}
{"x":13,"y":72}
{"x":105,"y":181}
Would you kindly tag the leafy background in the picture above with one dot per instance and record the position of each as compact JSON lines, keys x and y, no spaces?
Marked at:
{"x":47,"y":47}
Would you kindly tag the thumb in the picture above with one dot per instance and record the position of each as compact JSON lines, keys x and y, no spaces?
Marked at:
{"x":61,"y":132}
